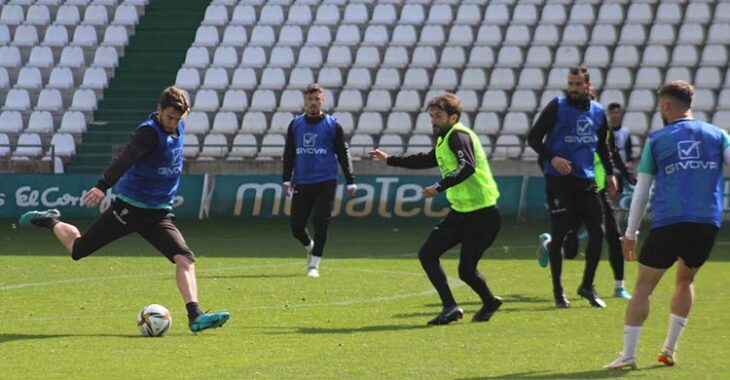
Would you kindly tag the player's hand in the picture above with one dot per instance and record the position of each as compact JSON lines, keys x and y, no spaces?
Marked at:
{"x":286,"y":188}
{"x":351,"y":189}
{"x":629,"y":246}
{"x":378,"y":155}
{"x":430,"y":191}
{"x":93,"y":197}
{"x":612,"y":186}
{"x":562,"y":165}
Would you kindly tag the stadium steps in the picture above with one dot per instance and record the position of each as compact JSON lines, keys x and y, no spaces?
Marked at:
{"x":150,"y":63}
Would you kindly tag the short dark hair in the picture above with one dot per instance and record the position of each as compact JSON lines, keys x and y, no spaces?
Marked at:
{"x":613,"y":106}
{"x":313,"y":88}
{"x":447,"y":102}
{"x":173,"y":97}
{"x":580,"y":70}
{"x":679,"y":91}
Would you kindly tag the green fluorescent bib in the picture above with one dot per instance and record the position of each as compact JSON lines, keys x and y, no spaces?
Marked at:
{"x":479,"y":190}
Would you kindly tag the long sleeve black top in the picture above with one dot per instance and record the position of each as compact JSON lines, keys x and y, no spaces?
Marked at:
{"x":142,"y":141}
{"x":460,"y":143}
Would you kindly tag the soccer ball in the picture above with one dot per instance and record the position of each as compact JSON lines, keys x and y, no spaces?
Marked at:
{"x":154,"y":320}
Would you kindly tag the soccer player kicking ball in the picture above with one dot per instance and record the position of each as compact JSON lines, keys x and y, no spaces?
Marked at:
{"x":684,"y":160}
{"x":473,"y":220}
{"x":147,"y":175}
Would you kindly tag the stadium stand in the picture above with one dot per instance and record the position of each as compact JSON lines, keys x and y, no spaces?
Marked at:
{"x":68,"y":68}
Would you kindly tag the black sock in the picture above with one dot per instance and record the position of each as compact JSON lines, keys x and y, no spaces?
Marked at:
{"x":193,"y":310}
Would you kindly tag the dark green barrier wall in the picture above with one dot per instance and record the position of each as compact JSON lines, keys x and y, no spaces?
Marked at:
{"x":257,"y":196}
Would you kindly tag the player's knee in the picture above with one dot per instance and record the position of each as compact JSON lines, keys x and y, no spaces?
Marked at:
{"x":425,"y":256}
{"x":467,"y":274}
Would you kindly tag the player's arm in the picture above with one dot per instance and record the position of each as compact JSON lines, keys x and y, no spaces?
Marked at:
{"x":645,"y":179}
{"x":413,"y":161}
{"x":461,"y":144}
{"x":142,"y":141}
{"x":542,"y":127}
{"x":629,"y":150}
{"x":725,"y":148}
{"x":617,"y":160}
{"x":290,"y":154}
{"x":343,"y":154}
{"x":603,"y":147}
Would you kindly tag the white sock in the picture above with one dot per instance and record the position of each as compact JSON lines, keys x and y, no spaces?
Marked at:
{"x":619,"y":284}
{"x":314,"y":261}
{"x":676,"y":326}
{"x":631,"y":340}
{"x":309,"y":247}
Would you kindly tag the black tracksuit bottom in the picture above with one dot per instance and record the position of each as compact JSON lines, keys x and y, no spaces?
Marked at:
{"x":573,"y":201}
{"x":612,"y":235}
{"x":317,"y":199}
{"x":475,"y":231}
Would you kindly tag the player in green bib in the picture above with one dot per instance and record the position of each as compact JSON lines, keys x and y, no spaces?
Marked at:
{"x":473,"y":220}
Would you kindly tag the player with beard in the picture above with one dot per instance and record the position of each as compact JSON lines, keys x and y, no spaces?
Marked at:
{"x":566,"y":135}
{"x":473,"y":220}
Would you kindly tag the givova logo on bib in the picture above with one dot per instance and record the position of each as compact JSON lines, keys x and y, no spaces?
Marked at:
{"x":583,"y":132}
{"x":309,"y":142}
{"x":688,"y":152}
{"x":176,"y":166}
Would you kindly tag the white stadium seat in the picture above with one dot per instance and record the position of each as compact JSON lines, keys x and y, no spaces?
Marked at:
{"x":225,"y":123}
{"x":11,"y":122}
{"x":244,"y":145}
{"x":73,"y":122}
{"x":28,"y":145}
{"x":214,"y":146}
{"x":61,"y":77}
{"x":391,"y":144}
{"x":272,"y":146}
{"x":419,"y":144}
{"x":63,"y":144}
{"x":369,"y":123}
{"x":191,"y":147}
{"x":197,"y":123}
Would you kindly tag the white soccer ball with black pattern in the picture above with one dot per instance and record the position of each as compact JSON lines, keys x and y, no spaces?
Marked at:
{"x":154,"y":320}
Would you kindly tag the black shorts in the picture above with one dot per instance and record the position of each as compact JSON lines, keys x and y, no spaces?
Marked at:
{"x":690,"y":241}
{"x":157,"y":226}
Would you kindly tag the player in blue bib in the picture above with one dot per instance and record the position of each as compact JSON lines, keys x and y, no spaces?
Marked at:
{"x":147,"y":175}
{"x":566,"y":135}
{"x":315,"y":143}
{"x":684,"y":162}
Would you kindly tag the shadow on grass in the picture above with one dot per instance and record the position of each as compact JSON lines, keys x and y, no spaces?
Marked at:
{"x":351,"y":330}
{"x":258,"y":275}
{"x":507,"y":298}
{"x":545,"y":375}
{"x":5,"y":338}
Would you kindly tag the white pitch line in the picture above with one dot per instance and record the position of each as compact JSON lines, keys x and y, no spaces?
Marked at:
{"x":394,"y":297}
{"x":143,"y":275}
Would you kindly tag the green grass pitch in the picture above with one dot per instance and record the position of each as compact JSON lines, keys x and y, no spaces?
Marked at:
{"x":364,"y":318}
